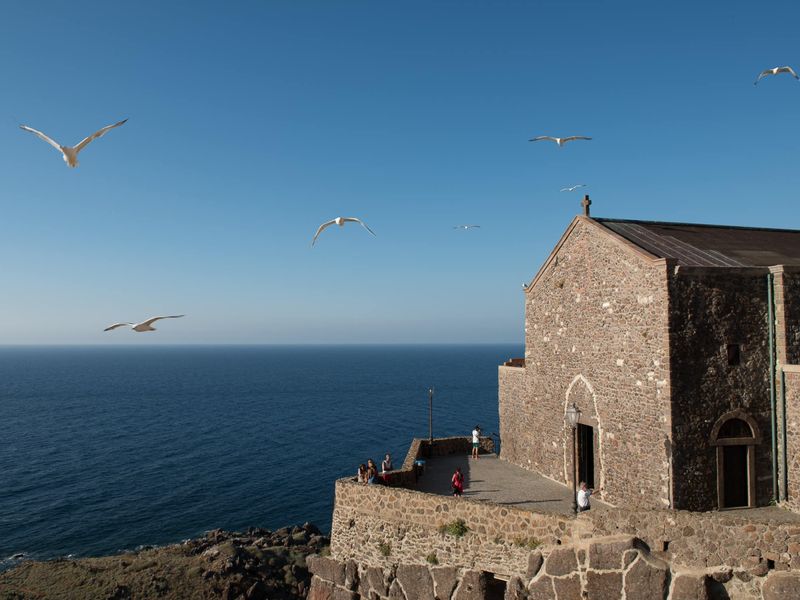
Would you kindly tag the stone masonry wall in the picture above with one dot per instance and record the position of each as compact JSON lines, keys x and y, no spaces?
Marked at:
{"x":595,"y":333}
{"x":381,"y":526}
{"x":709,"y":309}
{"x":787,"y":313}
{"x":380,"y":532}
{"x":792,"y":375}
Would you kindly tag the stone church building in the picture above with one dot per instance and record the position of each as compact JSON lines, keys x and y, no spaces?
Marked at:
{"x":680,"y":344}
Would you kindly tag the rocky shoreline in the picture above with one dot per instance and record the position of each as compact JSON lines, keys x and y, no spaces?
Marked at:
{"x":254,"y":565}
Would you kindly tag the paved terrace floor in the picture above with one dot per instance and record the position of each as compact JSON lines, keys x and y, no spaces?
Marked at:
{"x":493,"y":480}
{"x":490,"y":479}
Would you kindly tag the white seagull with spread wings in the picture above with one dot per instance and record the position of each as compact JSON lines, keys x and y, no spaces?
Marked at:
{"x":71,"y":152}
{"x":144,"y":325}
{"x":775,"y":71}
{"x":558,"y":140}
{"x":466,"y":226}
{"x":340,"y":221}
{"x":573,"y":188}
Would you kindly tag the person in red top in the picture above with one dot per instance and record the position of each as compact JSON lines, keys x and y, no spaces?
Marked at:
{"x":457,"y":482}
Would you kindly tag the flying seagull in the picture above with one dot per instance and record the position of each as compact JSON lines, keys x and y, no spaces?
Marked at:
{"x":558,"y":140}
{"x":71,"y":152}
{"x":573,"y":188}
{"x":340,"y":221}
{"x":466,"y":227}
{"x":775,"y":71}
{"x":144,"y":325}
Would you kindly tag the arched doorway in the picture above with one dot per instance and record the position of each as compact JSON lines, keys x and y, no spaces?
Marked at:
{"x":736,"y":435}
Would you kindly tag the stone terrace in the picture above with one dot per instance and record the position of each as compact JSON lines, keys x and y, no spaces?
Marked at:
{"x":497,"y":481}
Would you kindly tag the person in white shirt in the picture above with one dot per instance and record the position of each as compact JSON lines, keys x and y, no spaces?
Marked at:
{"x":476,"y":441}
{"x":583,"y":497}
{"x":386,"y":465}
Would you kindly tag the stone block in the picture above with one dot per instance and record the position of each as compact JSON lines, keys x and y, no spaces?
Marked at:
{"x":690,"y":586}
{"x":374,"y":581}
{"x":343,"y":594}
{"x":515,"y":589}
{"x":535,"y":561}
{"x":647,"y":578}
{"x":351,"y":575}
{"x":444,"y":580}
{"x":606,"y":555}
{"x":603,"y":586}
{"x":568,"y":587}
{"x":320,"y":589}
{"x":326,"y":568}
{"x":472,"y":586}
{"x":396,"y":592}
{"x":542,"y":589}
{"x":781,"y":586}
{"x":416,"y":581}
{"x":561,"y":561}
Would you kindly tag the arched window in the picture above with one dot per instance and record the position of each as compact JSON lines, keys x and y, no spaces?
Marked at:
{"x":736,"y":435}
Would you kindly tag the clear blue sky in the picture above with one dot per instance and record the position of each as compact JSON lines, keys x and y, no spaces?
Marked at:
{"x":253,"y":122}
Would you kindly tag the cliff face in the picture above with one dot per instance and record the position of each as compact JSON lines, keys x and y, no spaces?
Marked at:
{"x":255,"y":565}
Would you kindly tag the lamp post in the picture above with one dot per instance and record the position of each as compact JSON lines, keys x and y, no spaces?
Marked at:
{"x":572,"y":415}
{"x":430,"y":416}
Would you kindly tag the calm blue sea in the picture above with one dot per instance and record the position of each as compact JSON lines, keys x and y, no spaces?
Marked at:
{"x":103,"y":449}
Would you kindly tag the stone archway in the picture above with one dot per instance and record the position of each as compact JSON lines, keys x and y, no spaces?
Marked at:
{"x":582,"y":393}
{"x":736,"y":435}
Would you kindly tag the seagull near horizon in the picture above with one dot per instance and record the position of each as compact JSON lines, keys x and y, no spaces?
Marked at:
{"x":466,"y":227}
{"x":558,"y":140}
{"x":573,"y":188}
{"x":340,"y":221}
{"x":70,"y":153}
{"x":144,"y":325}
{"x":775,"y":71}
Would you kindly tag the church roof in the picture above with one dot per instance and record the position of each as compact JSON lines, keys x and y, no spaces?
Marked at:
{"x":711,"y":245}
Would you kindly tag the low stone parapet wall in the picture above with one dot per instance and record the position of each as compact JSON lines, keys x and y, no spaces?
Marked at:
{"x":381,"y":526}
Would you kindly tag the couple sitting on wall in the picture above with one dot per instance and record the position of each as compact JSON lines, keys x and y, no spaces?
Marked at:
{"x":369,"y":473}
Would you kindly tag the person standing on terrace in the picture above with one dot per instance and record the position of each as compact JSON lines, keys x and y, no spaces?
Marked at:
{"x":457,"y":482}
{"x":476,"y":441}
{"x":386,"y":465}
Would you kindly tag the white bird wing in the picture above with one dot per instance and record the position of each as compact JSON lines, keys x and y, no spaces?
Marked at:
{"x":152,"y":320}
{"x":357,"y":220}
{"x":47,"y":139}
{"x":115,"y":325}
{"x":100,"y":133}
{"x":761,"y":75}
{"x":576,"y":137}
{"x":789,"y":70}
{"x":542,"y":137}
{"x":322,"y":228}
{"x":573,"y":188}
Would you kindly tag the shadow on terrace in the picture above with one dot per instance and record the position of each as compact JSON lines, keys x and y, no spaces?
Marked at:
{"x":428,"y":468}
